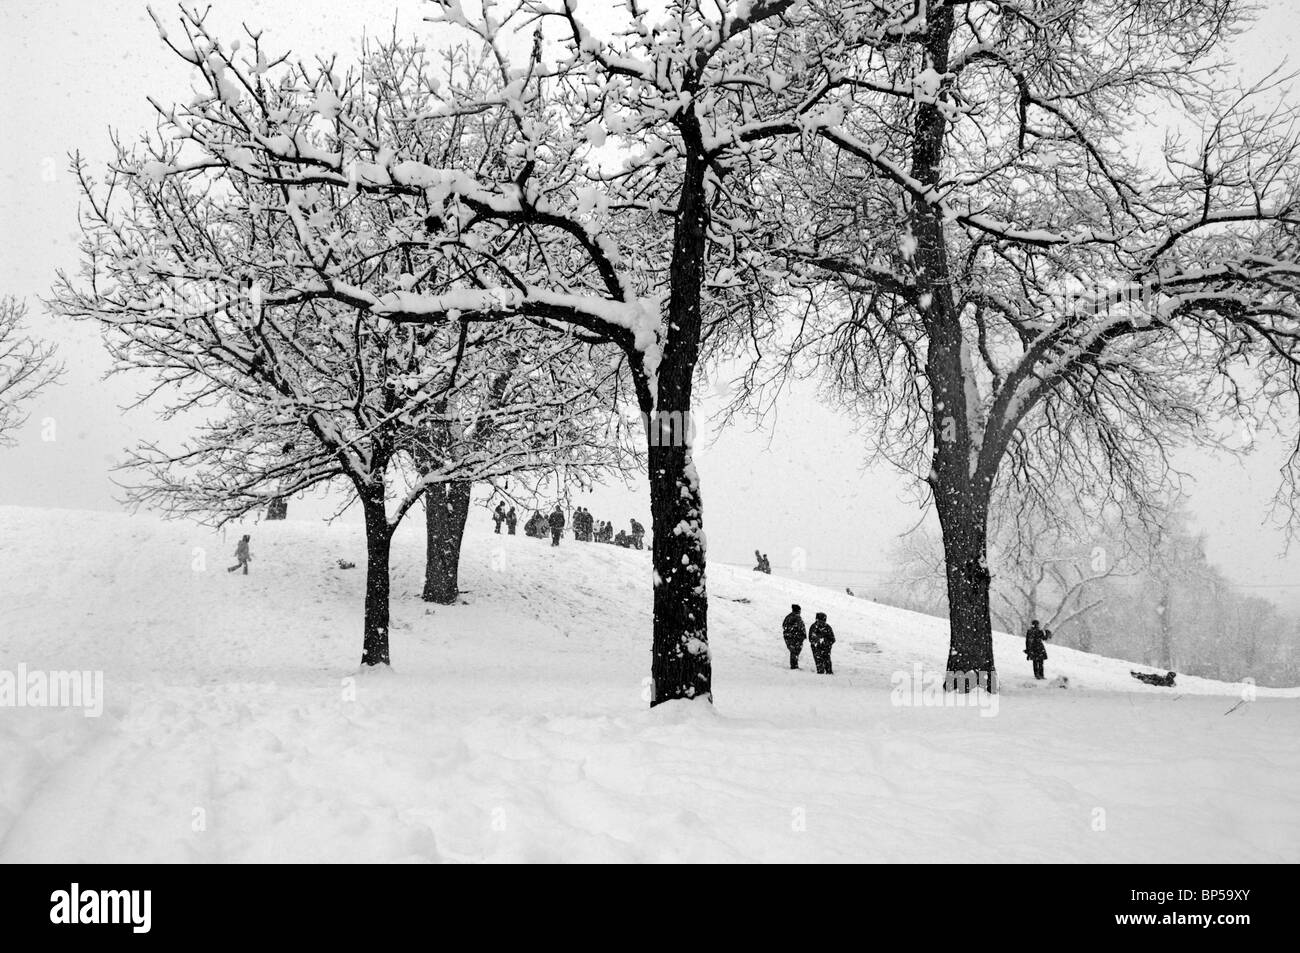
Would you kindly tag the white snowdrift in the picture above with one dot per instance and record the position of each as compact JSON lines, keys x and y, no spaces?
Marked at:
{"x":513,"y":727}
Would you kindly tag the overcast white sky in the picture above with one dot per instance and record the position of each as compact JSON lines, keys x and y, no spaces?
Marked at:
{"x":71,"y":70}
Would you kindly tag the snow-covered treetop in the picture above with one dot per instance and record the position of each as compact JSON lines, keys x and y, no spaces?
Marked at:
{"x":986,"y":190}
{"x":209,"y":280}
{"x":563,"y":213}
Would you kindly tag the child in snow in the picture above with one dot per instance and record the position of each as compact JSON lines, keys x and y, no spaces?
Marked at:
{"x":242,"y":558}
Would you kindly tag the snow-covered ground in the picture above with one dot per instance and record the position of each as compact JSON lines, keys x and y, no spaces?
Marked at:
{"x":513,"y":727}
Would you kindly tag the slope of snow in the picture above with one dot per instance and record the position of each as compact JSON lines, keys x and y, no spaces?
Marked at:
{"x":513,"y":727}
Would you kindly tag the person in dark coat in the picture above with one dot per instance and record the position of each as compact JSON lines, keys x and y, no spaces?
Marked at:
{"x":511,"y":520}
{"x":499,"y":515}
{"x":792,"y":631}
{"x":758,"y":561}
{"x":242,"y":558}
{"x":1035,"y":650}
{"x":638,"y":535}
{"x":821,"y":638}
{"x":535,"y":527}
{"x":556,"y":522}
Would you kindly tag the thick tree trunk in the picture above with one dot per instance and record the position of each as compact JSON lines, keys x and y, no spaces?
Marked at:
{"x":680,"y":665}
{"x":963,"y":516}
{"x":378,"y":542}
{"x":961,"y":487}
{"x":446,"y":507}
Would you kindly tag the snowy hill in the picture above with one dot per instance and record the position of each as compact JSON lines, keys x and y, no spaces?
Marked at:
{"x":513,"y":727}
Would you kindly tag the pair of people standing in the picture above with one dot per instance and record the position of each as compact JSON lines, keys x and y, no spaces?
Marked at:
{"x":820,"y":636}
{"x":502,"y":515}
{"x":583,"y":524}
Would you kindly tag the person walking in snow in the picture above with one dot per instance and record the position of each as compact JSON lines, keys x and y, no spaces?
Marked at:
{"x":511,"y":521}
{"x":242,"y":558}
{"x":758,"y":561}
{"x":821,"y":638}
{"x":556,"y":522}
{"x":792,"y":631}
{"x":638,"y":535}
{"x":1035,"y":650}
{"x":499,"y":515}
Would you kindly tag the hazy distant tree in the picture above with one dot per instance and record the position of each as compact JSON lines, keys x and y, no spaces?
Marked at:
{"x":1176,"y":562}
{"x":26,"y":367}
{"x":1048,"y":565}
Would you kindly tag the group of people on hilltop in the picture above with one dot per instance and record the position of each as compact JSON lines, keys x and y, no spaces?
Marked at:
{"x":762,"y":563}
{"x":628,"y":540}
{"x":538,"y":526}
{"x":586,"y":528}
{"x":820,"y":636}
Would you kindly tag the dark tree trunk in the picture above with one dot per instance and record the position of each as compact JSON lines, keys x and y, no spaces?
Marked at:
{"x":963,"y":516}
{"x":446,"y":508}
{"x":680,"y":664}
{"x":378,"y":542}
{"x":961,"y":483}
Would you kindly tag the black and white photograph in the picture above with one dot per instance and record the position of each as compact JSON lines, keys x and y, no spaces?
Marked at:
{"x":651,"y":432}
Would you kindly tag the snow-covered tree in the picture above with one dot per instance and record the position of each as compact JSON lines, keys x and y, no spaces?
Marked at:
{"x":26,"y":367}
{"x":187,"y":275}
{"x":1023,"y":299}
{"x":618,"y":196}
